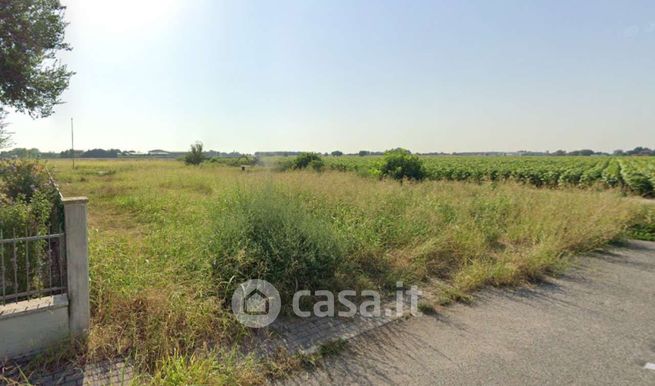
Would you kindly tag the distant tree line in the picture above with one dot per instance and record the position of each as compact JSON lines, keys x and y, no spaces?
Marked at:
{"x":108,"y":153}
{"x":588,"y":152}
{"x":636,"y":151}
{"x":276,"y":153}
{"x":336,"y":153}
{"x":93,"y":153}
{"x":117,"y":153}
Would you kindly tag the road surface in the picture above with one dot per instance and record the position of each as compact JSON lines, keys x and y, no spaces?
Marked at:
{"x":595,"y":325}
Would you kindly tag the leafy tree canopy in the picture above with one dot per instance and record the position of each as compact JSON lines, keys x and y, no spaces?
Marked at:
{"x":304,"y":160}
{"x":401,"y":164}
{"x":31,"y":77}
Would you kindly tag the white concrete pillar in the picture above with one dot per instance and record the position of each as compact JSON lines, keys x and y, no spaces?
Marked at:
{"x":77,"y":265}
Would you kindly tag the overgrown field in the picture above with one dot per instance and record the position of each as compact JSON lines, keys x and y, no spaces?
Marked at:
{"x":631,"y":174}
{"x":169,"y":242}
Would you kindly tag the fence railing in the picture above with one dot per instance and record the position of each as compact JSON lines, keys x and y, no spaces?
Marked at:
{"x":33,"y":259}
{"x":32,"y":266}
{"x":43,"y":259}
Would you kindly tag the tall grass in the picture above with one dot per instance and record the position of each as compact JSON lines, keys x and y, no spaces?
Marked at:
{"x":260,"y":232}
{"x":169,"y":242}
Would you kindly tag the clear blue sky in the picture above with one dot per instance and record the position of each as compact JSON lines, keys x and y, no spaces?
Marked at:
{"x":350,"y":75}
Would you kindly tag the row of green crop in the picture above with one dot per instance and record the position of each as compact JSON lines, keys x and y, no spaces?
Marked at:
{"x":632,"y":174}
{"x":638,"y":176}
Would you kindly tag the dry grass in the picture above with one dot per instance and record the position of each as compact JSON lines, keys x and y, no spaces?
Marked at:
{"x":158,"y":232}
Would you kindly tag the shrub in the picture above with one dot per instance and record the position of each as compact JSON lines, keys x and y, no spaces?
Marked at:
{"x":401,"y":164}
{"x":236,"y":161}
{"x":643,"y":227}
{"x":22,"y":178}
{"x":266,"y":235}
{"x":639,"y":183}
{"x":195,"y":156}
{"x":27,"y":203}
{"x":303,"y":160}
{"x":284,"y":164}
{"x":317,"y":165}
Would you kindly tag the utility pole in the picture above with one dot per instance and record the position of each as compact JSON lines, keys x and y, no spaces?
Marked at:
{"x":72,"y":144}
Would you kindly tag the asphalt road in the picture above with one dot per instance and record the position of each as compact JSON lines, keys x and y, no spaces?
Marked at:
{"x":596,"y":325}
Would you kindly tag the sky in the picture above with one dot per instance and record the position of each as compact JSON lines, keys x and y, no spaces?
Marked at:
{"x":449,"y":76}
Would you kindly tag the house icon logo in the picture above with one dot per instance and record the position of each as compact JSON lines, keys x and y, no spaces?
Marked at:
{"x":256,"y":303}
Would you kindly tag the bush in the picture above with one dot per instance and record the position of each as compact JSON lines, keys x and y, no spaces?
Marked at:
{"x":303,"y":160}
{"x":317,"y":165}
{"x":236,"y":161}
{"x":27,"y":204}
{"x":643,"y":227}
{"x":22,"y":178}
{"x":27,"y":198}
{"x":195,"y":156}
{"x":639,"y":183}
{"x":401,"y":164}
{"x":266,"y":235}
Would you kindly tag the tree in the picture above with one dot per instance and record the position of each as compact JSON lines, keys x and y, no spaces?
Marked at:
{"x":640,"y":150}
{"x":101,"y":153}
{"x":337,"y":153}
{"x":401,"y":164}
{"x":195,"y":156}
{"x":5,"y":136}
{"x":21,"y":152}
{"x":70,"y":153}
{"x":304,"y":160}
{"x":583,"y":152}
{"x":31,"y":34}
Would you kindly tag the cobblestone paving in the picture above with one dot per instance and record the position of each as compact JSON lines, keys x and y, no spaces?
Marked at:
{"x":306,"y":335}
{"x":97,"y":374}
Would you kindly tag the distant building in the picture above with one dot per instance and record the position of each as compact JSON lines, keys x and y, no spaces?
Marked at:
{"x":159,"y":153}
{"x":132,"y":153}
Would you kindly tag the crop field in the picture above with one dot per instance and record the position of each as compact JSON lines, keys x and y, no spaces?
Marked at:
{"x":168,"y":242}
{"x":635,"y":175}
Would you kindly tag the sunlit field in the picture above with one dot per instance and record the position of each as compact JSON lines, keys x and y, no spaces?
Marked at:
{"x":169,"y":242}
{"x":632,"y":175}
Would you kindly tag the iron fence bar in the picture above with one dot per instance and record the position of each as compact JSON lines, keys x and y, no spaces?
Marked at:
{"x":2,"y":262}
{"x":27,"y":265}
{"x":49,"y":263}
{"x":32,"y":285}
{"x":34,"y":292}
{"x":32,"y":238}
{"x":60,"y":257}
{"x":15,"y":261}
